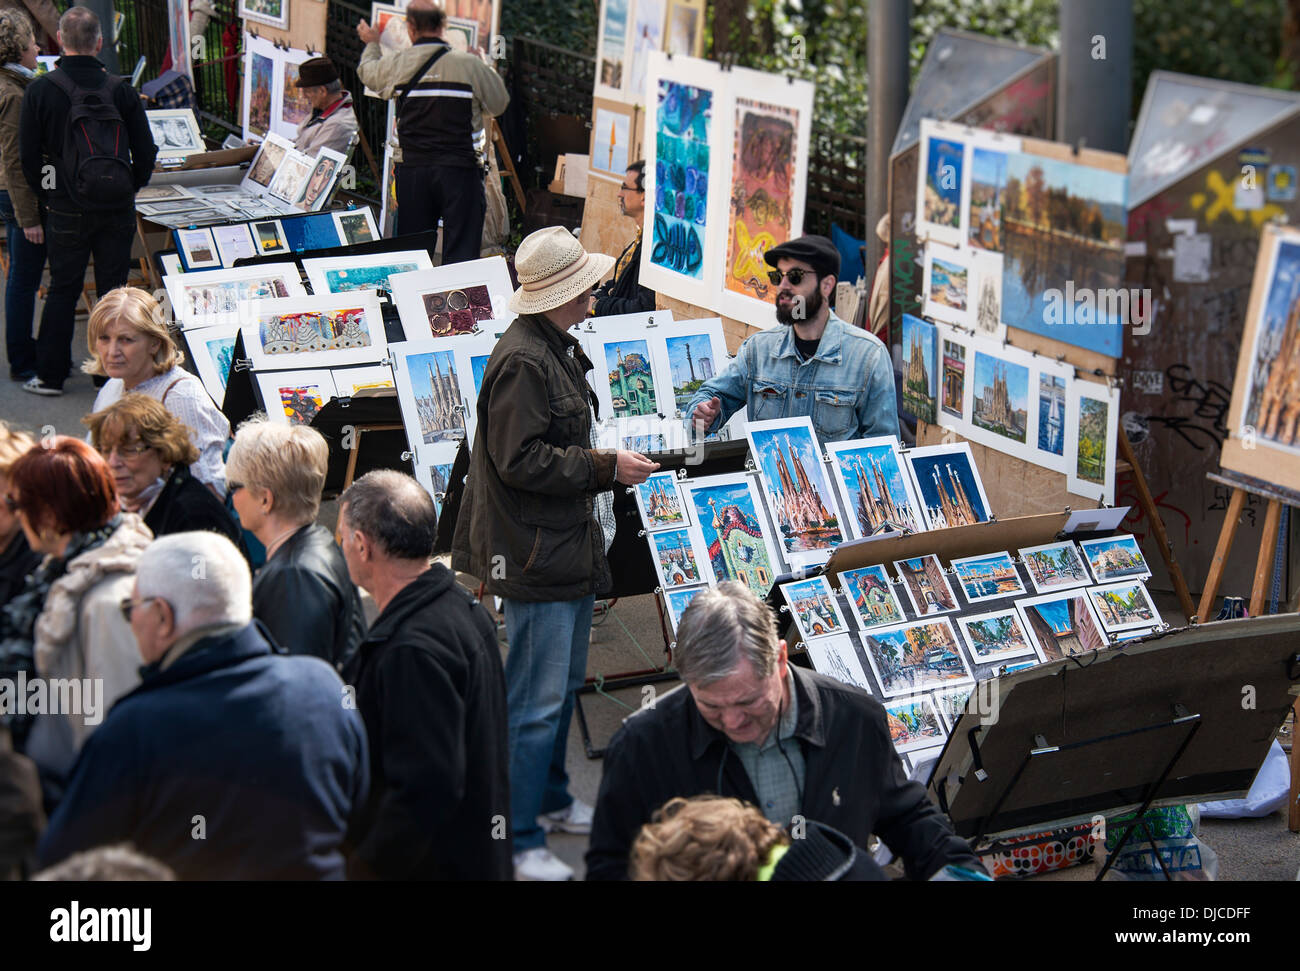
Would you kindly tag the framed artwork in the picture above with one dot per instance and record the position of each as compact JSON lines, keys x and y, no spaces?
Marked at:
{"x":1264,"y":414}
{"x":430,"y":391}
{"x":659,"y":503}
{"x":676,"y":601}
{"x":260,"y":57}
{"x":913,"y":723}
{"x":274,"y":13}
{"x":452,"y":299}
{"x":234,"y":243}
{"x":916,"y":656}
{"x":995,"y":637}
{"x":948,"y":485}
{"x":1091,"y":441}
{"x":878,"y":494}
{"x":198,"y":248}
{"x":872,"y":596}
{"x":214,"y":296}
{"x":314,"y":332}
{"x":989,"y":577}
{"x":295,"y":397}
{"x":612,"y":134}
{"x":212,"y":350}
{"x":612,"y":50}
{"x":920,"y":368}
{"x":350,"y":380}
{"x":1124,"y":606}
{"x":1054,"y":566}
{"x":771,"y":126}
{"x":926,"y":585}
{"x":684,"y":31}
{"x":951,"y":704}
{"x":729,"y":513}
{"x":1061,"y":624}
{"x":291,"y":177}
{"x":265,"y":163}
{"x":176,"y":132}
{"x":162,"y":193}
{"x":685,"y":225}
{"x":355,"y":226}
{"x":268,"y":237}
{"x":434,"y":473}
{"x":939,"y":186}
{"x":835,"y":657}
{"x":813,"y":607}
{"x":1115,"y":558}
{"x":461,"y":33}
{"x":647,"y":35}
{"x":800,"y":496}
{"x":693,"y":351}
{"x":340,"y":274}
{"x":678,"y":557}
{"x":947,"y":293}
{"x":625,"y":374}
{"x":319,"y":185}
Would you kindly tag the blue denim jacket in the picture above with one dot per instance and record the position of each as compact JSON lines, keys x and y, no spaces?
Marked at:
{"x":847,"y":387}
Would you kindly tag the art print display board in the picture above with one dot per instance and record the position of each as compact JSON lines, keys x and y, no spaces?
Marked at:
{"x":211,"y":297}
{"x":452,"y":299}
{"x":771,"y":124}
{"x":272,"y":101}
{"x":1264,"y":416}
{"x":323,"y":331}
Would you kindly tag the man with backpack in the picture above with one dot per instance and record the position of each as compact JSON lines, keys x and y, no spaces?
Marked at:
{"x":444,"y":98}
{"x":86,"y":150}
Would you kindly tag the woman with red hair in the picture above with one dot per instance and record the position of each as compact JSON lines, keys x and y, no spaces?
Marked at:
{"x":68,"y":621}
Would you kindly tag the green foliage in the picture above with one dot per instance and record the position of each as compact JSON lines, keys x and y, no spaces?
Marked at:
{"x":1030,"y":22}
{"x":570,"y":25}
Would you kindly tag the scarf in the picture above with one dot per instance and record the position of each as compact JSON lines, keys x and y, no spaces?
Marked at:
{"x":18,"y":617}
{"x":21,"y":69}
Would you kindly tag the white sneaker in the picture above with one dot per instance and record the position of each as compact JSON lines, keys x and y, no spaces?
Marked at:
{"x":576,"y":818}
{"x":540,"y":863}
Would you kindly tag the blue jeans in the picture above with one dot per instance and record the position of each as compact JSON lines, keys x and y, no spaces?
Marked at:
{"x":546,"y":662}
{"x":26,"y":265}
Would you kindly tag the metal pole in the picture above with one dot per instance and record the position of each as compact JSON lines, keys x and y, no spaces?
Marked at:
{"x":103,"y":9}
{"x":888,"y":39}
{"x":1095,"y":91}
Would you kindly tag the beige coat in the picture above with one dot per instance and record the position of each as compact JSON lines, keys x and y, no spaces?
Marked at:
{"x":81,"y":633}
{"x":335,"y":132}
{"x":26,"y":209}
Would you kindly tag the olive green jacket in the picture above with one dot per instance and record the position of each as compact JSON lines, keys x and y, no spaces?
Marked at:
{"x":26,"y":209}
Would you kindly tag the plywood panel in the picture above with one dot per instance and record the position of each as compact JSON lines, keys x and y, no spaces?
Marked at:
{"x":604,"y":228}
{"x":306,"y":27}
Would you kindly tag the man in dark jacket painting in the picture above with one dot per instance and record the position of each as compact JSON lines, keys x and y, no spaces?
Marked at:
{"x":623,"y":293}
{"x":429,"y":684}
{"x":750,"y":725}
{"x":228,"y":762}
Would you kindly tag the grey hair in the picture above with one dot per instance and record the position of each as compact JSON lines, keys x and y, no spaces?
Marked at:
{"x":120,"y":862}
{"x":15,"y":35}
{"x":201,"y":575}
{"x":394,"y":511}
{"x":333,"y":87}
{"x":722,"y":627}
{"x":80,"y":30}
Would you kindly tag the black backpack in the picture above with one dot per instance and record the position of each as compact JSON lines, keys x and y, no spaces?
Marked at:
{"x":96,"y":148}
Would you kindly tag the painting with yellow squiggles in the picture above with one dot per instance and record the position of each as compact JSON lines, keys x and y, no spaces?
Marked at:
{"x":762,"y":181}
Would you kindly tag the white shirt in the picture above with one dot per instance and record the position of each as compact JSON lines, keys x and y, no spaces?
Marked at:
{"x":190,"y":402}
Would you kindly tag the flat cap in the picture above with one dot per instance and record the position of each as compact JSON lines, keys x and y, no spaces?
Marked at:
{"x":817,"y":251}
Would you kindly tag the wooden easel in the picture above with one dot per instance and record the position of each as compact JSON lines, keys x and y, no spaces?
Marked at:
{"x":499,"y":140}
{"x":1276,"y":497}
{"x":1148,"y":505}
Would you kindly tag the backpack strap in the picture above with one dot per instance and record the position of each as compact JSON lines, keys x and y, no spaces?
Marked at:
{"x":405,"y":89}
{"x":64,"y":80}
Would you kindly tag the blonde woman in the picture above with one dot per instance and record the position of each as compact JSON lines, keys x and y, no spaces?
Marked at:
{"x":17,"y":558}
{"x":303,"y":594}
{"x":129,"y":342}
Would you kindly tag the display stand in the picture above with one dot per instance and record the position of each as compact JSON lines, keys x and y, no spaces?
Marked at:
{"x":1128,"y":727}
{"x":1148,"y":505}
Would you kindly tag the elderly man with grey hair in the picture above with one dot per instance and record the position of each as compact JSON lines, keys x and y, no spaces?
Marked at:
{"x":430,"y":686}
{"x":748,"y":724}
{"x":229,"y":761}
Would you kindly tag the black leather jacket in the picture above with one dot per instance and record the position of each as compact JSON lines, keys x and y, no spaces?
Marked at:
{"x":306,"y":599}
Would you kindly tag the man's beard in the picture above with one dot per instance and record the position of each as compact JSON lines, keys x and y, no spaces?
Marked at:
{"x":811,"y":308}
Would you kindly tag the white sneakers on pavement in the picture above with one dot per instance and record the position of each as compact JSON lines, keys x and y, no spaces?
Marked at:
{"x":540,"y":863}
{"x":574,"y":818}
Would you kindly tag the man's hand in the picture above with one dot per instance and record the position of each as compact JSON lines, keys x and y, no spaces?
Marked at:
{"x":368,"y":34}
{"x":35,"y":234}
{"x":706,"y":414}
{"x":633,"y":468}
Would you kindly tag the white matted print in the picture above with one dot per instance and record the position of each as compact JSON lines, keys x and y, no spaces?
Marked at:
{"x":690,"y":353}
{"x":626,"y":378}
{"x":295,"y":397}
{"x":916,"y":656}
{"x":198,"y":248}
{"x":319,"y":184}
{"x":162,"y":193}
{"x":1091,"y":440}
{"x":1062,"y":624}
{"x":1115,"y":558}
{"x":835,"y":657}
{"x":268,"y":237}
{"x":813,"y":607}
{"x":214,"y":296}
{"x":678,"y":557}
{"x":356,"y":226}
{"x":1050,"y":414}
{"x":472,"y":356}
{"x":176,"y":132}
{"x":434,"y":472}
{"x":947,"y":292}
{"x":311,"y":332}
{"x":262,"y":169}
{"x":739,"y":542}
{"x":1054,"y":566}
{"x":913,"y":723}
{"x":431,"y":392}
{"x":951,"y":703}
{"x":676,"y":602}
{"x":878,"y":492}
{"x":1001,"y":396}
{"x":351,"y":380}
{"x":660,"y":503}
{"x":339,"y":274}
{"x":991,"y":576}
{"x":452,"y":299}
{"x":213,"y":350}
{"x":948,"y":485}
{"x":941,"y":178}
{"x":260,"y":58}
{"x":986,"y":295}
{"x":613,"y":48}
{"x":234,"y":243}
{"x":291,"y":176}
{"x":996,"y":636}
{"x":1124,"y":606}
{"x":926,"y":585}
{"x":799,"y":493}
{"x":871,"y":593}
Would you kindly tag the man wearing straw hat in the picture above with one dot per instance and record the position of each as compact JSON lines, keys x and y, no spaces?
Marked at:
{"x":536,"y":522}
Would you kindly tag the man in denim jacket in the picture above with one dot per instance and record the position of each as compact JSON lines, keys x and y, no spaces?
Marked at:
{"x":812,"y":363}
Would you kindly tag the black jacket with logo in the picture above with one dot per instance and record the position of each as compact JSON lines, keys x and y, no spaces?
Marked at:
{"x":854,"y":780}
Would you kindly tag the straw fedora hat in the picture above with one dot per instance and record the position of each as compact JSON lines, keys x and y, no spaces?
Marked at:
{"x":553,"y":269}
